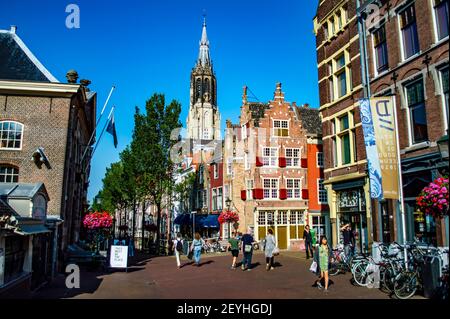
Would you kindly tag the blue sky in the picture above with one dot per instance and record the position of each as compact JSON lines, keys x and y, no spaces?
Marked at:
{"x":147,"y":46}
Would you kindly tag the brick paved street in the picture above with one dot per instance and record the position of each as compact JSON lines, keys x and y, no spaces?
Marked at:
{"x":159,"y":278}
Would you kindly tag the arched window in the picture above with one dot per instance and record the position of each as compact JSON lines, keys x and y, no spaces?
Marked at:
{"x":206,"y":86}
{"x":9,"y":174}
{"x":11,"y":135}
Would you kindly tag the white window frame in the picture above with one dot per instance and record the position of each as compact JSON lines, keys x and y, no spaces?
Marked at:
{"x":271,"y":188}
{"x":293,"y":158}
{"x":408,"y":110}
{"x":281,"y":122}
{"x":249,"y":186}
{"x":293,"y":189}
{"x":7,"y":139}
{"x":272,"y":159}
{"x":246,"y":162}
{"x":216,"y":170}
{"x":444,"y":100}
{"x":11,"y":171}
{"x":214,"y":199}
{"x":435,"y":28}
{"x":319,"y":158}
{"x":402,"y":46}
{"x":219,"y":204}
{"x":321,"y":191}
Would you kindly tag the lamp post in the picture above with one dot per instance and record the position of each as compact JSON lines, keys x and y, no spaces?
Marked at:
{"x":228,"y":203}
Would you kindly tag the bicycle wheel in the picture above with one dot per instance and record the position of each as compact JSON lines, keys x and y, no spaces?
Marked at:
{"x":360,"y":273}
{"x":389,"y":279}
{"x":405,"y":285}
{"x":333,"y":268}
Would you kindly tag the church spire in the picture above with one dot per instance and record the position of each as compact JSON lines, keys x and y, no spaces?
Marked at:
{"x":203,"y":55}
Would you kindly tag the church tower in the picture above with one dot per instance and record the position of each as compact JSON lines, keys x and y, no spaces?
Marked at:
{"x":203,"y":122}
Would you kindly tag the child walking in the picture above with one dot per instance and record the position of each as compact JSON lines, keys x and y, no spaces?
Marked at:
{"x":324,"y":255}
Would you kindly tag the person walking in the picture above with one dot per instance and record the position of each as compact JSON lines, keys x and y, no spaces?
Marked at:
{"x":178,"y":243}
{"x":308,"y":242}
{"x":324,"y":256}
{"x":196,"y":248}
{"x":269,"y":247}
{"x":349,"y":240}
{"x":247,"y":250}
{"x":233,"y":246}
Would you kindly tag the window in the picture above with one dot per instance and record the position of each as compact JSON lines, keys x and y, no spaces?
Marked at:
{"x":339,"y":20}
{"x":445,"y":95}
{"x":408,"y":28}
{"x":244,"y":131}
{"x":345,"y":139}
{"x":318,"y":223}
{"x":282,"y":218}
{"x":14,"y":257}
{"x":380,"y":47}
{"x":441,"y":18}
{"x":333,"y":31}
{"x":334,"y":151}
{"x":270,"y":156}
{"x":322,"y":192}
{"x":417,"y":114}
{"x":325,"y":31}
{"x":206,"y":134}
{"x":10,"y":135}
{"x":226,"y":192}
{"x":204,"y":198}
{"x":340,"y":77}
{"x":216,"y":171}
{"x":270,"y":188}
{"x":294,"y":188}
{"x":246,"y":162}
{"x":280,"y":128}
{"x":319,"y":159}
{"x":9,"y":174}
{"x":214,"y":199}
{"x":292,"y":157}
{"x":219,"y":199}
{"x":249,"y":188}
{"x":262,"y":218}
{"x":229,"y":166}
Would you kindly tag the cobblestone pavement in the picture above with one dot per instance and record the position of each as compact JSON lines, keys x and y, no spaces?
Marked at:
{"x":159,"y":277}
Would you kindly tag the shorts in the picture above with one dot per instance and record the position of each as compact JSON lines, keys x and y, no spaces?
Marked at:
{"x":234,"y":252}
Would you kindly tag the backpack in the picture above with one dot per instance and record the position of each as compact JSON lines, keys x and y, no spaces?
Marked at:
{"x":179,"y":245}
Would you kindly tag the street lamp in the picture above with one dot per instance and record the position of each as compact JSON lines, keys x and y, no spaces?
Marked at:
{"x":228,"y":203}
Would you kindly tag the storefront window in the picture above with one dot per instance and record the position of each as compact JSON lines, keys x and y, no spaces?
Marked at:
{"x":14,"y":257}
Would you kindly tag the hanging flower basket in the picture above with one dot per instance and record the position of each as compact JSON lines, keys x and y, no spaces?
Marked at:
{"x":97,"y":220}
{"x":228,"y":217}
{"x":433,"y":200}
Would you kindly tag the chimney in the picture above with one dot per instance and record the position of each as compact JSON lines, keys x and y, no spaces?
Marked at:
{"x":72,"y":76}
{"x":278,"y":95}
{"x":13,"y":29}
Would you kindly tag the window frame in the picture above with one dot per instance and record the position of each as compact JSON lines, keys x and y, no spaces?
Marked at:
{"x":435,"y":21}
{"x":411,"y":137}
{"x":321,"y":192}
{"x":271,"y":189}
{"x":290,"y":160}
{"x":377,"y":68}
{"x":319,"y":159}
{"x":294,"y":190}
{"x":15,"y":173}
{"x":8,"y":133}
{"x":270,"y":157}
{"x":280,"y":129}
{"x":402,"y":37}
{"x":444,"y":98}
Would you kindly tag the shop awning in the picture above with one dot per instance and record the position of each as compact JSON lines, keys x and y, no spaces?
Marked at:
{"x":32,"y":229}
{"x":183,"y":219}
{"x":211,"y":221}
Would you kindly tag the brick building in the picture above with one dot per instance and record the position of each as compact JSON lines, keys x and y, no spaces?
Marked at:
{"x":45,"y":126}
{"x":407,"y":56}
{"x":265,"y":159}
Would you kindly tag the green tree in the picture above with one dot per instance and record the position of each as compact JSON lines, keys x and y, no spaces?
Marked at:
{"x":151,"y":147}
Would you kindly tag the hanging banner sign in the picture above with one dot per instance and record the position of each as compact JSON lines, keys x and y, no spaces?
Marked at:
{"x":373,"y":162}
{"x":385,"y":140}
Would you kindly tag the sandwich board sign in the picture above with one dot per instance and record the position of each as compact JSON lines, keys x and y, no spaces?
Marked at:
{"x":119,"y":257}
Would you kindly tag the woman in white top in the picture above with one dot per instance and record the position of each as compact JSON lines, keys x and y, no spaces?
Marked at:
{"x":178,"y":245}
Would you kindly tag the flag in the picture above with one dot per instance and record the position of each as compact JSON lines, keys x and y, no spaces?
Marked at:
{"x":111,"y":129}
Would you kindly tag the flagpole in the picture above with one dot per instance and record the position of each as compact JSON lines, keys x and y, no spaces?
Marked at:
{"x":400,"y":181}
{"x":96,"y":123}
{"x":103,"y":130}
